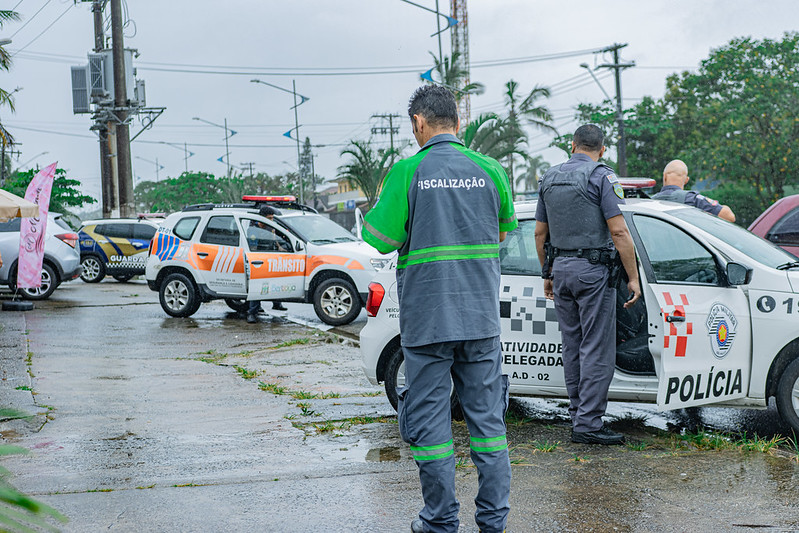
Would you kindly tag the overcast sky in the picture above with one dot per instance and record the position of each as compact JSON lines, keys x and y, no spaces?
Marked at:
{"x":245,"y":39}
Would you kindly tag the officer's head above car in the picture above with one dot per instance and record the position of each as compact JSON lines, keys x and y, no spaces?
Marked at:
{"x":589,"y":139}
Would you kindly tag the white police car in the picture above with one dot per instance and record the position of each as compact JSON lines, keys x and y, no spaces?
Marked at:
{"x":717,"y":324}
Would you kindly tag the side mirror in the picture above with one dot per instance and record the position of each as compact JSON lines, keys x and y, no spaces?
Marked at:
{"x":299,"y":246}
{"x":738,"y":274}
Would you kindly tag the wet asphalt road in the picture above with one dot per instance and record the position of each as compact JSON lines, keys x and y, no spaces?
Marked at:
{"x":149,"y":423}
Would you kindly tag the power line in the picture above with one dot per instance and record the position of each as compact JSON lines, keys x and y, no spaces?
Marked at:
{"x":30,"y":19}
{"x":16,"y":6}
{"x":45,"y":30}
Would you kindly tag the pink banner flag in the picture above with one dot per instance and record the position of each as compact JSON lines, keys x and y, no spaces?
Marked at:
{"x":32,"y":230}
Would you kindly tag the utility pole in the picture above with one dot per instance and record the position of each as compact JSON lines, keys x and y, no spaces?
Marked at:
{"x":618,"y":67}
{"x":121,"y":109}
{"x":106,"y":185}
{"x":383,"y":130}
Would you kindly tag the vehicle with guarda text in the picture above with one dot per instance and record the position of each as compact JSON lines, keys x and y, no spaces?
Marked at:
{"x":209,"y":251}
{"x":61,"y":258}
{"x":115,"y":247}
{"x":716,"y":324}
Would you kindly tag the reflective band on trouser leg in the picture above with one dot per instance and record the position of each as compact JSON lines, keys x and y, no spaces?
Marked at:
{"x":431,"y":453}
{"x":491,"y":444}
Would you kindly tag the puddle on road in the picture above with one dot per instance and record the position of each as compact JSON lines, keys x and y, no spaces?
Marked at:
{"x":390,"y":454}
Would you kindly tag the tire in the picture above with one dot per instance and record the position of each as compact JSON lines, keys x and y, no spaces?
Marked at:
{"x":240,"y":306}
{"x":93,"y":269}
{"x":49,"y":284}
{"x":788,"y":395}
{"x":395,"y":379}
{"x":122,"y":278}
{"x":336,"y":302}
{"x":178,"y":295}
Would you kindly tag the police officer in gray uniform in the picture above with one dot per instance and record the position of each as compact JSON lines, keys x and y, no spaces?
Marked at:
{"x":675,"y":177}
{"x":446,"y":209}
{"x":578,"y":215}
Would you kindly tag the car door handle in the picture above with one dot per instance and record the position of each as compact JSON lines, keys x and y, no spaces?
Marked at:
{"x":675,"y":318}
{"x":257,"y":263}
{"x":202,"y":254}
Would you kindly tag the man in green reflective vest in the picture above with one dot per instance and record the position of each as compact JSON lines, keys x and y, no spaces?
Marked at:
{"x":446,"y":209}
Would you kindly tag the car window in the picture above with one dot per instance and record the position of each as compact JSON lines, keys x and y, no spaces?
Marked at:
{"x":674,"y":255}
{"x":12,"y":225}
{"x":318,"y":229}
{"x":185,"y":227}
{"x":143,"y":231}
{"x":263,"y":238}
{"x":61,"y":223}
{"x":120,"y":231}
{"x":517,"y":253}
{"x":786,"y":230}
{"x":758,"y":249}
{"x":221,"y":230}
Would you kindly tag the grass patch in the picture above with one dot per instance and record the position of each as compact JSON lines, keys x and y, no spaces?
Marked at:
{"x":638,"y":446}
{"x":292,"y":342}
{"x":23,"y":387}
{"x":760,"y":444}
{"x":304,"y":395}
{"x":326,"y":427}
{"x":463,"y":462}
{"x":100,"y":490}
{"x":274,"y":388}
{"x":213,"y":359}
{"x":371,"y":394}
{"x":545,"y":446}
{"x":515,"y":419}
{"x":146,"y":487}
{"x":246,"y":373}
{"x":188,"y":485}
{"x":362,"y":420}
{"x":306,"y":409}
{"x":580,"y":459}
{"x":705,"y":440}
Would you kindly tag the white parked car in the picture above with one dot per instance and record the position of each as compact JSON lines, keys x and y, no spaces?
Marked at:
{"x":717,"y":324}
{"x":208,"y":252}
{"x":61,"y":256}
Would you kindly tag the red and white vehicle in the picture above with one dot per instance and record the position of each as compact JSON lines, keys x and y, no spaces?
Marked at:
{"x":716,"y":324}
{"x":209,"y":251}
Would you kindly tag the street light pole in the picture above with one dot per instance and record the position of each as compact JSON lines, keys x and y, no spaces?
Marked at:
{"x":303,"y":99}
{"x":228,"y":133}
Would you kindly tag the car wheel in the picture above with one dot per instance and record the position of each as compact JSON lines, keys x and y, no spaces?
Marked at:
{"x":178,"y":295}
{"x":395,"y":379}
{"x":336,"y":302}
{"x":49,"y":284}
{"x":122,"y":278}
{"x":93,"y":269}
{"x":240,"y":306}
{"x":788,"y":395}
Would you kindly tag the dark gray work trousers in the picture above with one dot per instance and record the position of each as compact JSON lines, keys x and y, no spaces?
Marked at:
{"x":425,"y":423}
{"x":586,"y":309}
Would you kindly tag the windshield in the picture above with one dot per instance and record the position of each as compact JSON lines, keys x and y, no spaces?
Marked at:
{"x":742,"y":240}
{"x":317,"y":229}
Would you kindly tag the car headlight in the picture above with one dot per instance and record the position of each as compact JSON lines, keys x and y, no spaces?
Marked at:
{"x":378,"y":262}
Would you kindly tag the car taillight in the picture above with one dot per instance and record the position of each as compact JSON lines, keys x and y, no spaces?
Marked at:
{"x":375,"y":298}
{"x":69,"y":238}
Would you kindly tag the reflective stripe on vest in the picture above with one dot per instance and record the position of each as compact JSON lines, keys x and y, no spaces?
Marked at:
{"x":448,"y":253}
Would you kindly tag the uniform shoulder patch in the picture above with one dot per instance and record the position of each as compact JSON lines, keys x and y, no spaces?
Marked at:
{"x":617,"y":188}
{"x":711,"y":201}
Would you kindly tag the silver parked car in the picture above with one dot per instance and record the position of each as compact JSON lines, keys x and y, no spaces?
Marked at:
{"x":61,"y":256}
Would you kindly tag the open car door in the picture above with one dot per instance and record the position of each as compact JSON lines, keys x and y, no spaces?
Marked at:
{"x":274,"y":270}
{"x":700,"y":328}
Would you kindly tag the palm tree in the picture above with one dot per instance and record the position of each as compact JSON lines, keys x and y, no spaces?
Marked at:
{"x":367,"y":167}
{"x":525,"y":111}
{"x":536,"y":166}
{"x":6,"y":98}
{"x":492,"y":136}
{"x":453,"y":77}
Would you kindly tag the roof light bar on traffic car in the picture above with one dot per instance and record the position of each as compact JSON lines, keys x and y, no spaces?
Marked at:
{"x":255,"y":198}
{"x":636,"y":183}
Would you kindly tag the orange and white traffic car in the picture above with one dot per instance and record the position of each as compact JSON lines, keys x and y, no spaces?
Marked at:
{"x":230,"y":252}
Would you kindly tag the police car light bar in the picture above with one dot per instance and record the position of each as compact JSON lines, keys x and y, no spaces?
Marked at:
{"x":253,"y":198}
{"x":636,"y":183}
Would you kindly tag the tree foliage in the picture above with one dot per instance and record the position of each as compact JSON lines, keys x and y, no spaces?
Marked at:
{"x":173,"y":194}
{"x":65,"y":196}
{"x":367,"y":167}
{"x":454,"y":77}
{"x":734,"y":122}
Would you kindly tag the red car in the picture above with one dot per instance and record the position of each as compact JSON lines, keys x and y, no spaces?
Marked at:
{"x":780,"y":224}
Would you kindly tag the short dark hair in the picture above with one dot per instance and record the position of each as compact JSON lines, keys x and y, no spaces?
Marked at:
{"x":266,"y":211}
{"x":589,"y":138}
{"x":436,"y":104}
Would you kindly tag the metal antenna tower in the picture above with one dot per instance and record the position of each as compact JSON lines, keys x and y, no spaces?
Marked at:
{"x":460,"y":45}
